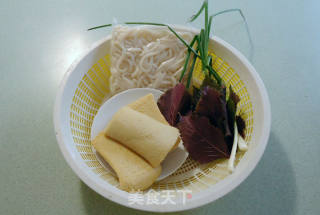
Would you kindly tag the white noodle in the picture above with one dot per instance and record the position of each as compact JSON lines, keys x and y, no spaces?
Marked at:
{"x":146,"y":57}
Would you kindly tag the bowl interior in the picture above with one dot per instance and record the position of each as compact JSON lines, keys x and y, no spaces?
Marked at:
{"x":86,"y":87}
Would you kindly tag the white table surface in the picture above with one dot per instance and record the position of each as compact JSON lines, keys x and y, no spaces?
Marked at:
{"x":40,"y":39}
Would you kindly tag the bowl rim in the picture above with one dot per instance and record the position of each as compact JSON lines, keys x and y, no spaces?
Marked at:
{"x":200,"y":201}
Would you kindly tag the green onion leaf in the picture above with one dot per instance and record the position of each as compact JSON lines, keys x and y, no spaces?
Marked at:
{"x":204,"y":5}
{"x":191,"y":72}
{"x":100,"y":26}
{"x":215,"y":75}
{"x":243,"y":17}
{"x":187,"y":59}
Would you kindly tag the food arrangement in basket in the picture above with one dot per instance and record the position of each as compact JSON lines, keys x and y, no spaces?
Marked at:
{"x":158,"y":108}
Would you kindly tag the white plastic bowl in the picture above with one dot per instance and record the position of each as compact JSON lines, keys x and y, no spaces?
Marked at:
{"x":75,"y":145}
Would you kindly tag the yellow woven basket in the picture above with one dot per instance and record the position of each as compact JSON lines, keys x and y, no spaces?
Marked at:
{"x":86,"y":87}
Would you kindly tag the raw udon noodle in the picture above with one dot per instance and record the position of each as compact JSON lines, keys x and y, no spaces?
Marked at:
{"x":146,"y":57}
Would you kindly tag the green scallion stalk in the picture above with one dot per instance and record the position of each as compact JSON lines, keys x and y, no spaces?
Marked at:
{"x":185,"y":66}
{"x":100,"y":26}
{"x":191,"y":72}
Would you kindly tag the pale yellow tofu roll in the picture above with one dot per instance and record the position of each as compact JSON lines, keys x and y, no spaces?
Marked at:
{"x":146,"y":136}
{"x":134,"y":172}
{"x":148,"y":106}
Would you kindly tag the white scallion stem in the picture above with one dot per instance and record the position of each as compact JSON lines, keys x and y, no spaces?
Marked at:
{"x":242,"y":145}
{"x":234,"y":149}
